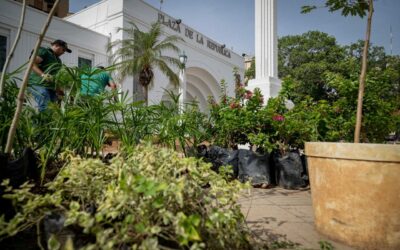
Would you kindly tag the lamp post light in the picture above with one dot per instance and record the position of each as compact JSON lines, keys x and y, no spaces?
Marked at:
{"x":182,"y":81}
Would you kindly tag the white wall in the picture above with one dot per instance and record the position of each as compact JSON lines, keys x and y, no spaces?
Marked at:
{"x":83,"y":42}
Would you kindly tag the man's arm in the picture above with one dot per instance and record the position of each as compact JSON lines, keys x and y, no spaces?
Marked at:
{"x":38,"y":71}
{"x":35,"y":66}
{"x":112,"y":84}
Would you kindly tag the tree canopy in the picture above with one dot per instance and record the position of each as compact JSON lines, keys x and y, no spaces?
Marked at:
{"x":313,"y":65}
{"x":306,"y":58}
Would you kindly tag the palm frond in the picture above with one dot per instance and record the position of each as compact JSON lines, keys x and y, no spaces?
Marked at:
{"x":172,"y":76}
{"x":166,"y":46}
{"x":172,"y":60}
{"x":143,"y":51}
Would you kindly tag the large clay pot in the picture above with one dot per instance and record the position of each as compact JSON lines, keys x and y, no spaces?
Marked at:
{"x":356,"y":192}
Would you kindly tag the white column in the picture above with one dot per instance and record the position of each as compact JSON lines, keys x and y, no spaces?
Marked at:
{"x":266,"y":49}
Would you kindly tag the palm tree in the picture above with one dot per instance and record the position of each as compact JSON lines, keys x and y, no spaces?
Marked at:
{"x":140,"y":53}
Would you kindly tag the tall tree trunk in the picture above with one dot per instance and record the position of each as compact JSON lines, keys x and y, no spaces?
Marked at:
{"x":363,"y":75}
{"x":21,"y":93}
{"x":145,"y":78}
{"x":11,"y":54}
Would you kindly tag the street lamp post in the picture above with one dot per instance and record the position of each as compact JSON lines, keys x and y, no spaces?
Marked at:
{"x":182,"y":81}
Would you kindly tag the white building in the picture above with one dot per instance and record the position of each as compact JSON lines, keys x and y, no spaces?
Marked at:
{"x":89,"y":31}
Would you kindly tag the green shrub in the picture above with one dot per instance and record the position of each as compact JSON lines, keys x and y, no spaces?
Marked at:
{"x":180,"y":129}
{"x":234,"y":120}
{"x":149,"y":199}
{"x":290,"y":128}
{"x":8,"y":105}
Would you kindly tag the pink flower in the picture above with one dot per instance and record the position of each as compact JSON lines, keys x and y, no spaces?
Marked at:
{"x":234,"y":105}
{"x":248,"y":94}
{"x":279,"y":118}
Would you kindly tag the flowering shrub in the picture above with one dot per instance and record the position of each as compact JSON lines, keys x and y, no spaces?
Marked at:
{"x":244,"y":119}
{"x":233,"y":119}
{"x":292,"y":127}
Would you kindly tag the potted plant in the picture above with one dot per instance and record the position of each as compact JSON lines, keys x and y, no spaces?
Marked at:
{"x":354,"y":186}
{"x":289,"y":129}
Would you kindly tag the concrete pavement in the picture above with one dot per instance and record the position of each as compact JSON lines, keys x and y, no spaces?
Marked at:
{"x":277,"y":214}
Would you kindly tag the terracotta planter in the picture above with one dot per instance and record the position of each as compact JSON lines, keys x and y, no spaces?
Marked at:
{"x":356,"y":192}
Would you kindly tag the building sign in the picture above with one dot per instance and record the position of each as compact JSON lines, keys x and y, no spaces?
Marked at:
{"x":172,"y":24}
{"x":191,"y":34}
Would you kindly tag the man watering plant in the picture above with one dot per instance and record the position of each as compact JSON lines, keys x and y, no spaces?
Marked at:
{"x":41,"y":79}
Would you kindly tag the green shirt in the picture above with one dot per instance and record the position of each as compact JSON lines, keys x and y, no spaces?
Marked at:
{"x":50,"y":64}
{"x":94,"y":83}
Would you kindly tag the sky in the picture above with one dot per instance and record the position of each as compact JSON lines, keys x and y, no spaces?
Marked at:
{"x":231,"y":22}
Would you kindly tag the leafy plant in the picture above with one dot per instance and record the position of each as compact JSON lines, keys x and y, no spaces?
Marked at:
{"x":185,"y":128}
{"x":163,"y":123}
{"x":150,"y":199}
{"x":7,"y":108}
{"x":132,"y":121}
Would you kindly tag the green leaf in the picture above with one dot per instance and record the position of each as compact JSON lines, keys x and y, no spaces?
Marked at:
{"x":307,"y":9}
{"x":140,"y":228}
{"x":53,"y":243}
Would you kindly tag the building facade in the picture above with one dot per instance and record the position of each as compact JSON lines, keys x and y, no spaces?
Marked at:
{"x":90,"y":30}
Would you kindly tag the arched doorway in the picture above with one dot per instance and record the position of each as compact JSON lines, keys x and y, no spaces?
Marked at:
{"x":200,"y":85}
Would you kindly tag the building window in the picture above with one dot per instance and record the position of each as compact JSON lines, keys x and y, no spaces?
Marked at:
{"x":38,"y":4}
{"x":84,"y":62}
{"x":49,"y":5}
{"x":3,"y":51}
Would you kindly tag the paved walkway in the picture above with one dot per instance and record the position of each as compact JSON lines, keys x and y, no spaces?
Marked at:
{"x":277,"y":214}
